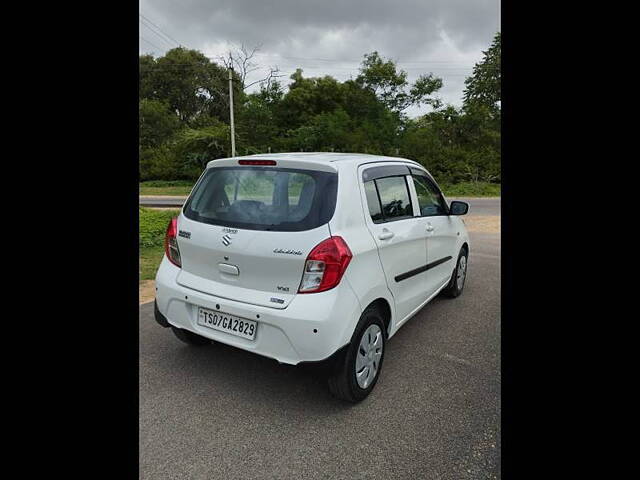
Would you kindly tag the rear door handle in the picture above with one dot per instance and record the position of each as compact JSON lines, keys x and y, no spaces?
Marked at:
{"x":386,"y":234}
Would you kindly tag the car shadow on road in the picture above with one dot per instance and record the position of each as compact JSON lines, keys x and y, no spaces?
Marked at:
{"x":218,"y":371}
{"x":224,"y":371}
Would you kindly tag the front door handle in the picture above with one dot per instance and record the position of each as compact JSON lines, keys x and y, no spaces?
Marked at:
{"x":430,"y":227}
{"x":386,"y":234}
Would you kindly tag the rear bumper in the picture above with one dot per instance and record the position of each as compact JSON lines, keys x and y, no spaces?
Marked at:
{"x":160,"y":318}
{"x":311,"y":328}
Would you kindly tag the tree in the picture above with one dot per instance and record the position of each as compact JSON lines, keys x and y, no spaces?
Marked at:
{"x":158,"y":126}
{"x":194,"y":148}
{"x":157,"y":123}
{"x":390,"y":84}
{"x":455,"y":145}
{"x":306,"y":98}
{"x":240,"y":59}
{"x":160,"y":163}
{"x":189,"y":83}
{"x":482,"y":88}
{"x":327,"y":131}
{"x":184,"y":115}
{"x":322,"y":113}
{"x":257,"y":126}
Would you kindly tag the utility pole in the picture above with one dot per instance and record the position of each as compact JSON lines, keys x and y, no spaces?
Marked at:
{"x":233,"y":129}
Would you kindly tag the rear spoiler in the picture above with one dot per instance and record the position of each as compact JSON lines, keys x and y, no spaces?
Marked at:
{"x":293,"y":162}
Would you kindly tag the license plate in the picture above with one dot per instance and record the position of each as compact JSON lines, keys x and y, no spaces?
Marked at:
{"x":240,"y":327}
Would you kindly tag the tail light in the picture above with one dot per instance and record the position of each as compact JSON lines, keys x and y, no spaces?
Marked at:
{"x":325,"y":265}
{"x":171,"y":243}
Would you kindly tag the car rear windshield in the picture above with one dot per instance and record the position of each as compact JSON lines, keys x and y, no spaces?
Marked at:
{"x":263,"y":198}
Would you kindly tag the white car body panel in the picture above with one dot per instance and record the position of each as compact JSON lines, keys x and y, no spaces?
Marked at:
{"x":260,"y":270}
{"x":441,"y":242}
{"x":310,"y":326}
{"x":399,"y":254}
{"x":285,"y":335}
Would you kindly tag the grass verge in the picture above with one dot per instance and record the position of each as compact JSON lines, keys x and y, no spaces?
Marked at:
{"x":153,"y":225}
{"x":471,"y":189}
{"x":150,"y":259}
{"x":162,"y":187}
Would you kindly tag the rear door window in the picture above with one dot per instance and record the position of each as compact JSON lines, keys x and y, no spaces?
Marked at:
{"x":388,"y":199}
{"x":259,"y":198}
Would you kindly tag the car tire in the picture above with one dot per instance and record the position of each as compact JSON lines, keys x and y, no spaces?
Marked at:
{"x":369,"y":337}
{"x":459,"y":275}
{"x":190,"y":337}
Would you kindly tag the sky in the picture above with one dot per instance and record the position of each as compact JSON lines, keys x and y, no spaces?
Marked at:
{"x":330,"y":37}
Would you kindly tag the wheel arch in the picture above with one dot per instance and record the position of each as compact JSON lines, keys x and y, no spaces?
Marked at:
{"x":384,"y":307}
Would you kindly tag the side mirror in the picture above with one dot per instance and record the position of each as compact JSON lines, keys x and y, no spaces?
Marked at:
{"x":458,"y":208}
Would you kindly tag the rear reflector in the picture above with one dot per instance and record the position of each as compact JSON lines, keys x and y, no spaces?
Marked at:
{"x":257,"y":162}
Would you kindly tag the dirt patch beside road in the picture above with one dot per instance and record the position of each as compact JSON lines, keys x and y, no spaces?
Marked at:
{"x":147,"y":291}
{"x":483,"y":223}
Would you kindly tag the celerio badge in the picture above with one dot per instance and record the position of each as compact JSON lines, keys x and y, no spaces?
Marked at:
{"x":288,"y":251}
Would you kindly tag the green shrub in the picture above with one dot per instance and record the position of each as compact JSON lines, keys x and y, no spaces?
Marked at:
{"x":194,"y":148}
{"x":166,"y":183}
{"x":471,"y":189}
{"x":159,"y":163}
{"x":153,"y":226}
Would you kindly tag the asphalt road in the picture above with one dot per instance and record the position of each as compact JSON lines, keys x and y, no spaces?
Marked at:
{"x":478,"y":206}
{"x":219,"y":412}
{"x":481,"y":206}
{"x":160,"y":201}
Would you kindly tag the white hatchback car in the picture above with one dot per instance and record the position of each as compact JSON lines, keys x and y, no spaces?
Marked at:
{"x":309,"y":257}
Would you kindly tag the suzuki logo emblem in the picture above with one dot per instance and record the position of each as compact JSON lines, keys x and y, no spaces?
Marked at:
{"x":226,"y":239}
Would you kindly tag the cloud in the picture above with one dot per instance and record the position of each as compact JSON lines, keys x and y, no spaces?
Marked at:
{"x":330,"y":37}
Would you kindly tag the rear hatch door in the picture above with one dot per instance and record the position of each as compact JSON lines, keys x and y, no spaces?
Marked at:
{"x":245,"y":231}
